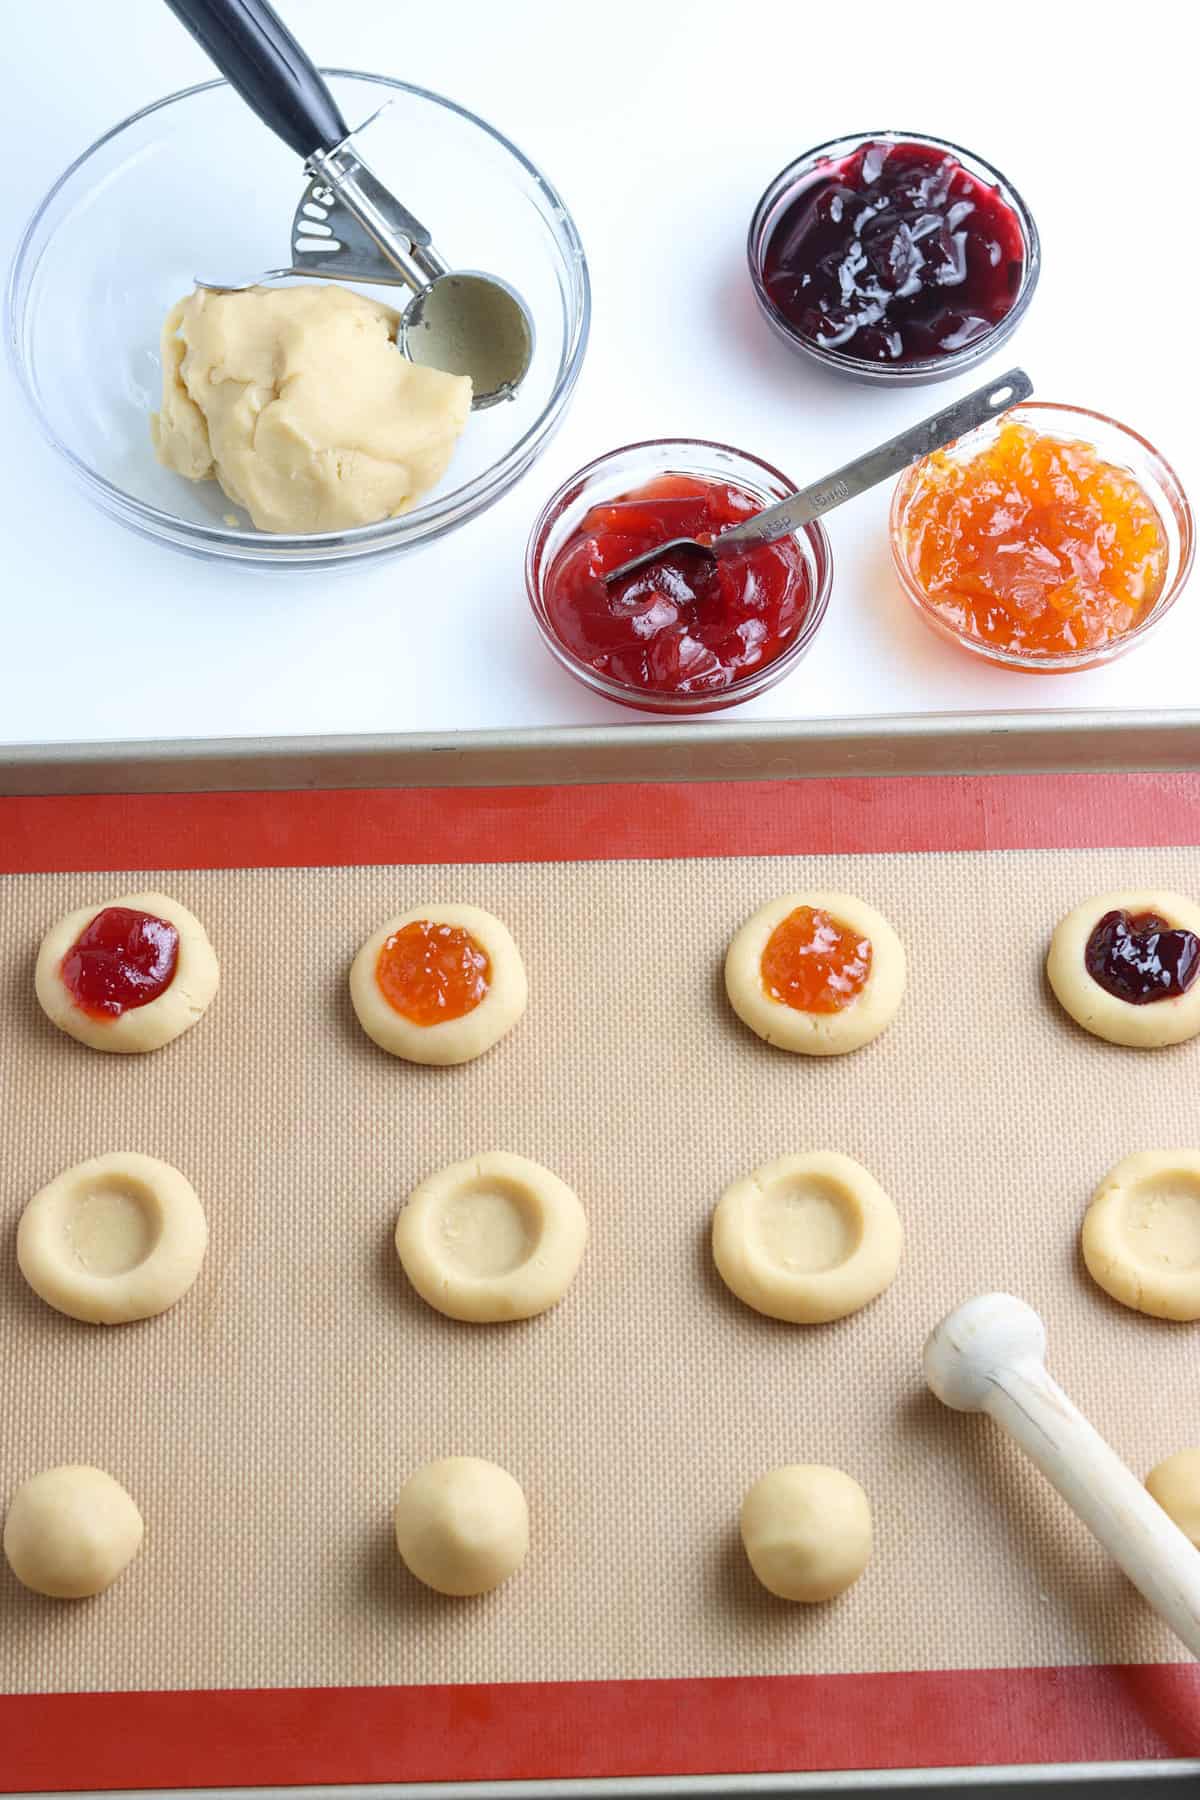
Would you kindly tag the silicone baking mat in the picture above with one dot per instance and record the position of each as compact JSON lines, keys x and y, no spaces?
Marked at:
{"x":268,"y":1631}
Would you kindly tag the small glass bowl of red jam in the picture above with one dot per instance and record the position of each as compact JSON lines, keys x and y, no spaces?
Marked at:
{"x":679,"y":638}
{"x":1049,"y":540}
{"x":894,"y":257}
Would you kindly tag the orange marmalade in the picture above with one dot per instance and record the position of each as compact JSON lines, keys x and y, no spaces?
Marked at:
{"x":815,"y":963}
{"x":1035,"y":546}
{"x":430,"y":973}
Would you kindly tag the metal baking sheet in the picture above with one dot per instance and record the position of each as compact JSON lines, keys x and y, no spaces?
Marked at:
{"x":639,"y":753}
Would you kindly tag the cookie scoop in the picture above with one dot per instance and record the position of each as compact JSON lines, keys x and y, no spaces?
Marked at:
{"x":348,"y":225}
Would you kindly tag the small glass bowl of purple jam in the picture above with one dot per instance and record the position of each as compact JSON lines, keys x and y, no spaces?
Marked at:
{"x":890,"y":256}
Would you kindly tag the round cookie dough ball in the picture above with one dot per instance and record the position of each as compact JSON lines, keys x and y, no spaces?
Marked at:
{"x":1126,"y":966}
{"x":807,"y":1239}
{"x":117,"y":1238}
{"x":494,"y":1238}
{"x":71,"y":1531}
{"x":1175,"y":1484}
{"x":127,"y":975}
{"x":462,"y":1525}
{"x":439,"y":984}
{"x":1141,"y":1234}
{"x":820,"y":974}
{"x":807,"y":1531}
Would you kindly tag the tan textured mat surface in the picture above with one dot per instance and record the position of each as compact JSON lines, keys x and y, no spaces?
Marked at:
{"x":266,"y":1423}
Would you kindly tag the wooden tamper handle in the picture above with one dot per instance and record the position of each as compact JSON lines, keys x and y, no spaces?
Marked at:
{"x":988,"y":1356}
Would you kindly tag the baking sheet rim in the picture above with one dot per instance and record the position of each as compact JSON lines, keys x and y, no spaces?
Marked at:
{"x":660,"y":1787}
{"x":947,"y":743}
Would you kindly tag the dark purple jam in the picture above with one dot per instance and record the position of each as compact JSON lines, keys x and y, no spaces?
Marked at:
{"x":1142,"y":959}
{"x":895,"y":254}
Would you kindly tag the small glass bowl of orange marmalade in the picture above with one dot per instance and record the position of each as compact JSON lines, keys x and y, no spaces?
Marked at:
{"x":1051,"y":539}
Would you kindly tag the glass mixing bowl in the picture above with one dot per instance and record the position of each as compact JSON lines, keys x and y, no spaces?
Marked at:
{"x":195,"y":186}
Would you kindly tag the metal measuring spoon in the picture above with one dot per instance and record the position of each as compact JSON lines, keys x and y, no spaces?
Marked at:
{"x":846,"y":483}
{"x":349,"y":226}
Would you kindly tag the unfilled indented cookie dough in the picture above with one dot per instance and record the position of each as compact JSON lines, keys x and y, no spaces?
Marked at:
{"x":1141,"y":1234}
{"x":118,"y":1238}
{"x":71,"y":1531}
{"x":820,"y":974}
{"x":462,"y":1525}
{"x":1141,"y":942}
{"x":807,"y":1531}
{"x":439,"y":984}
{"x":127,"y":934}
{"x":807,"y":1239}
{"x":494,"y":1238}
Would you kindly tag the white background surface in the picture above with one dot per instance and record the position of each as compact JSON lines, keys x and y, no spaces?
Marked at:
{"x":660,"y":121}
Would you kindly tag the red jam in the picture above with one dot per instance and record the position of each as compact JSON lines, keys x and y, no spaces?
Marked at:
{"x":1141,"y":959}
{"x":123,"y":959}
{"x":675,"y":627}
{"x":815,"y":963}
{"x":895,"y":254}
{"x":431,"y":973}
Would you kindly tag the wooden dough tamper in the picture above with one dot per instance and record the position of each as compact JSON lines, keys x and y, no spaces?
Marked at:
{"x":989,"y":1356}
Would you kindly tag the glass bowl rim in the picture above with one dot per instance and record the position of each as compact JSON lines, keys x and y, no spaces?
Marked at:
{"x":757,"y":681}
{"x":437,"y":517}
{"x":958,"y":360}
{"x":1061,"y":662}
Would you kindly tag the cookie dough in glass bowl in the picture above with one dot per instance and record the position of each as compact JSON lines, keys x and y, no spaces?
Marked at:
{"x":124,"y":233}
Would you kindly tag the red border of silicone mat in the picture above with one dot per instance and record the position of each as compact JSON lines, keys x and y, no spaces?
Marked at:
{"x":558,"y":1730}
{"x":595,"y":823}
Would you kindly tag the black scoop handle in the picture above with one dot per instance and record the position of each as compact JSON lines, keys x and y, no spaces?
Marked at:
{"x":256,"y":52}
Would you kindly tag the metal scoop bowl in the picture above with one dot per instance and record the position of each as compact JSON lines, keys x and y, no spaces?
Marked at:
{"x":470,"y":324}
{"x":348,"y":225}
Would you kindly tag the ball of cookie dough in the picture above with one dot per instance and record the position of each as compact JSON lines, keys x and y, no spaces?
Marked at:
{"x":1141,"y":1234}
{"x":116,"y":1238}
{"x":71,"y":1531}
{"x":807,"y":1239}
{"x":807,"y":1531}
{"x":462,"y":1525}
{"x":1175,"y":1484}
{"x":439,"y":984}
{"x":127,"y":975}
{"x":820,"y":974}
{"x":1126,"y":966}
{"x":494,"y":1238}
